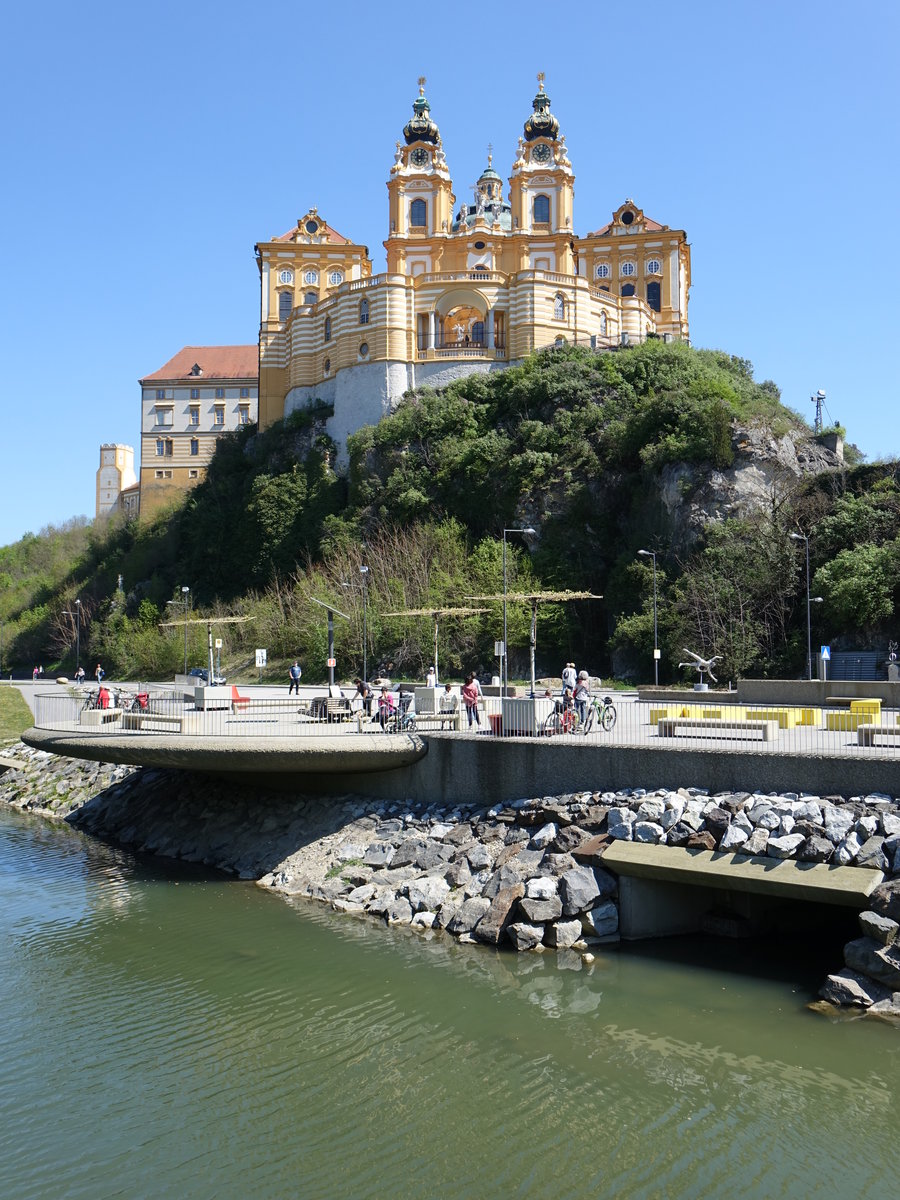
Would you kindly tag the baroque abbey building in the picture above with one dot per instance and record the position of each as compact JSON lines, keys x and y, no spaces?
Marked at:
{"x":468,"y":287}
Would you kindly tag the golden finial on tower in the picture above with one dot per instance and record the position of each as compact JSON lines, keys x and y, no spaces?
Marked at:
{"x":421,"y":85}
{"x":490,"y":154}
{"x":540,"y":81}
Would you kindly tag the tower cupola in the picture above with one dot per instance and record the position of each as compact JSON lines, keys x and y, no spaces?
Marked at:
{"x":541,"y":123}
{"x":421,"y":128}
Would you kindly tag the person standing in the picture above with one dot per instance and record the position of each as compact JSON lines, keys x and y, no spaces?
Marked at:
{"x":295,"y":674}
{"x":470,"y":693}
{"x":431,"y":678}
{"x":99,"y":673}
{"x":582,"y":694}
{"x":449,"y":706}
{"x":364,"y":692}
{"x":569,"y":678}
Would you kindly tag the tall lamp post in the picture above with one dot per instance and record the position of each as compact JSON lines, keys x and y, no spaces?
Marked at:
{"x":364,"y":571}
{"x":652,"y":554}
{"x":185,"y":592}
{"x":504,"y":674}
{"x":810,"y":600}
{"x":77,"y":615}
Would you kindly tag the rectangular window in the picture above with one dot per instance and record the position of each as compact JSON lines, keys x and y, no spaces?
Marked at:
{"x":195,"y":414}
{"x":219,"y":418}
{"x":164,"y":415}
{"x":245,"y":392}
{"x":167,"y":474}
{"x":193,"y":474}
{"x":195,"y":393}
{"x":160,"y":393}
{"x":158,"y":474}
{"x":195,"y":447}
{"x":160,"y":447}
{"x":169,"y":447}
{"x":244,"y":415}
{"x":220,"y":393}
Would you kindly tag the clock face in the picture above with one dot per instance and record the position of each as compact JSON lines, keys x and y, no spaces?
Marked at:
{"x":419,"y":157}
{"x":541,"y":153}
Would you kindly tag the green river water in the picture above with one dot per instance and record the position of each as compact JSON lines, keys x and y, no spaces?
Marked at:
{"x":168,"y":1034}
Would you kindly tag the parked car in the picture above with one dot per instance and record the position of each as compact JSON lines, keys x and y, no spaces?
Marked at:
{"x":202,"y":673}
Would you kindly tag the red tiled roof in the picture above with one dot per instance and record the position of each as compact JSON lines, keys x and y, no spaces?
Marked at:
{"x":334,"y":238}
{"x":649,"y":227}
{"x":216,"y":362}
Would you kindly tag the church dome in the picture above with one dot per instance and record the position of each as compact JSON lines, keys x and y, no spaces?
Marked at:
{"x":542,"y":122}
{"x":421,"y":128}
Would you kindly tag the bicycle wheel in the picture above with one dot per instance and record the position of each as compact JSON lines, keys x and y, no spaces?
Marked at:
{"x":409,"y":723}
{"x":589,"y":720}
{"x":552,"y":724}
{"x":608,"y":717}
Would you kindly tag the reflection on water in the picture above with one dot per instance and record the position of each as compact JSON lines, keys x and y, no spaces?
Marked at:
{"x":169,"y":1034}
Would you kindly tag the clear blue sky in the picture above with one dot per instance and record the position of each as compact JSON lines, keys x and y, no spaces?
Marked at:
{"x":147,"y":148}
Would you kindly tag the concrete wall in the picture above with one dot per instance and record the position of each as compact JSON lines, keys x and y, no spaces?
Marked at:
{"x":488,"y":770}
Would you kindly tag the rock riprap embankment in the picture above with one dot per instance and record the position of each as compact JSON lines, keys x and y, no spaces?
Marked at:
{"x":528,"y":874}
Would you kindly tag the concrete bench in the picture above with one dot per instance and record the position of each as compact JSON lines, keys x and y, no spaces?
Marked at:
{"x":143,"y":720}
{"x":866,"y":735}
{"x":438,"y":721}
{"x":101,"y":716}
{"x":669,"y":726}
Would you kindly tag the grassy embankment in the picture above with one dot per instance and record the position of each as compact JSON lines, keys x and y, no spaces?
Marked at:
{"x":15,"y":715}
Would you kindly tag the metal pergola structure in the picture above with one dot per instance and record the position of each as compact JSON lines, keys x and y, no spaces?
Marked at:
{"x":208,"y":622}
{"x":536,"y":599}
{"x":437,"y":615}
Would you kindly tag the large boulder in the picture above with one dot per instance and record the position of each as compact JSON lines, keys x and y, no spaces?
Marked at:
{"x":524,"y":936}
{"x":885,"y":900}
{"x":871,"y":854}
{"x":717,"y":821}
{"x":874,"y":925}
{"x":429,"y":892}
{"x":850,"y":988}
{"x":493,"y":924}
{"x":582,"y":886}
{"x":733,"y":838}
{"x":563,"y":934}
{"x":541,"y":910}
{"x":601,"y":921}
{"x":786,"y":846}
{"x":875,"y":960}
{"x":468,"y":915}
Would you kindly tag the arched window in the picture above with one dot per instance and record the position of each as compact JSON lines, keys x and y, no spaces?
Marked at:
{"x":311,"y":298}
{"x":627,"y":289}
{"x":285,"y":303}
{"x":363,"y":312}
{"x":478,"y":333}
{"x":327,"y":365}
{"x":328,"y":329}
{"x":603,"y":324}
{"x":542,"y":210}
{"x":653,"y":295}
{"x":417,"y":214}
{"x":559,"y":307}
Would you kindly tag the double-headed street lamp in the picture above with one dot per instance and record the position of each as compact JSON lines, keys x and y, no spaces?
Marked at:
{"x":652,"y":554}
{"x":810,"y":600}
{"x":504,"y":674}
{"x":364,"y":587}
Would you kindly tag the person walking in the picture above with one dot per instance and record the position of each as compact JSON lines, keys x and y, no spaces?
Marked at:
{"x":294,"y":673}
{"x":99,"y":673}
{"x":470,"y":693}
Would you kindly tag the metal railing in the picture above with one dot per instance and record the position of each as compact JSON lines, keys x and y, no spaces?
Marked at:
{"x":857,"y":727}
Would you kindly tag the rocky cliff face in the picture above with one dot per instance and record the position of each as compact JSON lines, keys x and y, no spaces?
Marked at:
{"x":765,"y":470}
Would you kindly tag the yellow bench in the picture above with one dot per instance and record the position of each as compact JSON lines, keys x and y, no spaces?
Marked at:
{"x":849,"y":722}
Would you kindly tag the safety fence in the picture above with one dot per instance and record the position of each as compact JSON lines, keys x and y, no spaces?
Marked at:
{"x":841,"y":727}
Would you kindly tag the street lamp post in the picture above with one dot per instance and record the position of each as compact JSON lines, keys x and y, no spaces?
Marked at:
{"x":77,"y":615}
{"x":504,"y":673}
{"x":652,"y":554}
{"x":364,"y":571}
{"x":810,"y":600}
{"x":185,"y":592}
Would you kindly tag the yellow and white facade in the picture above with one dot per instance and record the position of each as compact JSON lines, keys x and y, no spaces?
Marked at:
{"x":186,"y":406}
{"x":468,"y":287}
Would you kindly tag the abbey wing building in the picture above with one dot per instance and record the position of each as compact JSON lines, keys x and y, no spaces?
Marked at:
{"x":468,"y":287}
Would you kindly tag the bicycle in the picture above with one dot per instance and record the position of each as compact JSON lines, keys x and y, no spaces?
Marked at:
{"x":600,"y":711}
{"x":563,"y":719}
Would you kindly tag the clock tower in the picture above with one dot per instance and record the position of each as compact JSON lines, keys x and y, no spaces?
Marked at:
{"x":542,"y":186}
{"x":421,"y":195}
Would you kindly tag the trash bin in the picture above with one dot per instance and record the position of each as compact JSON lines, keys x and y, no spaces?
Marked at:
{"x":495,"y":720}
